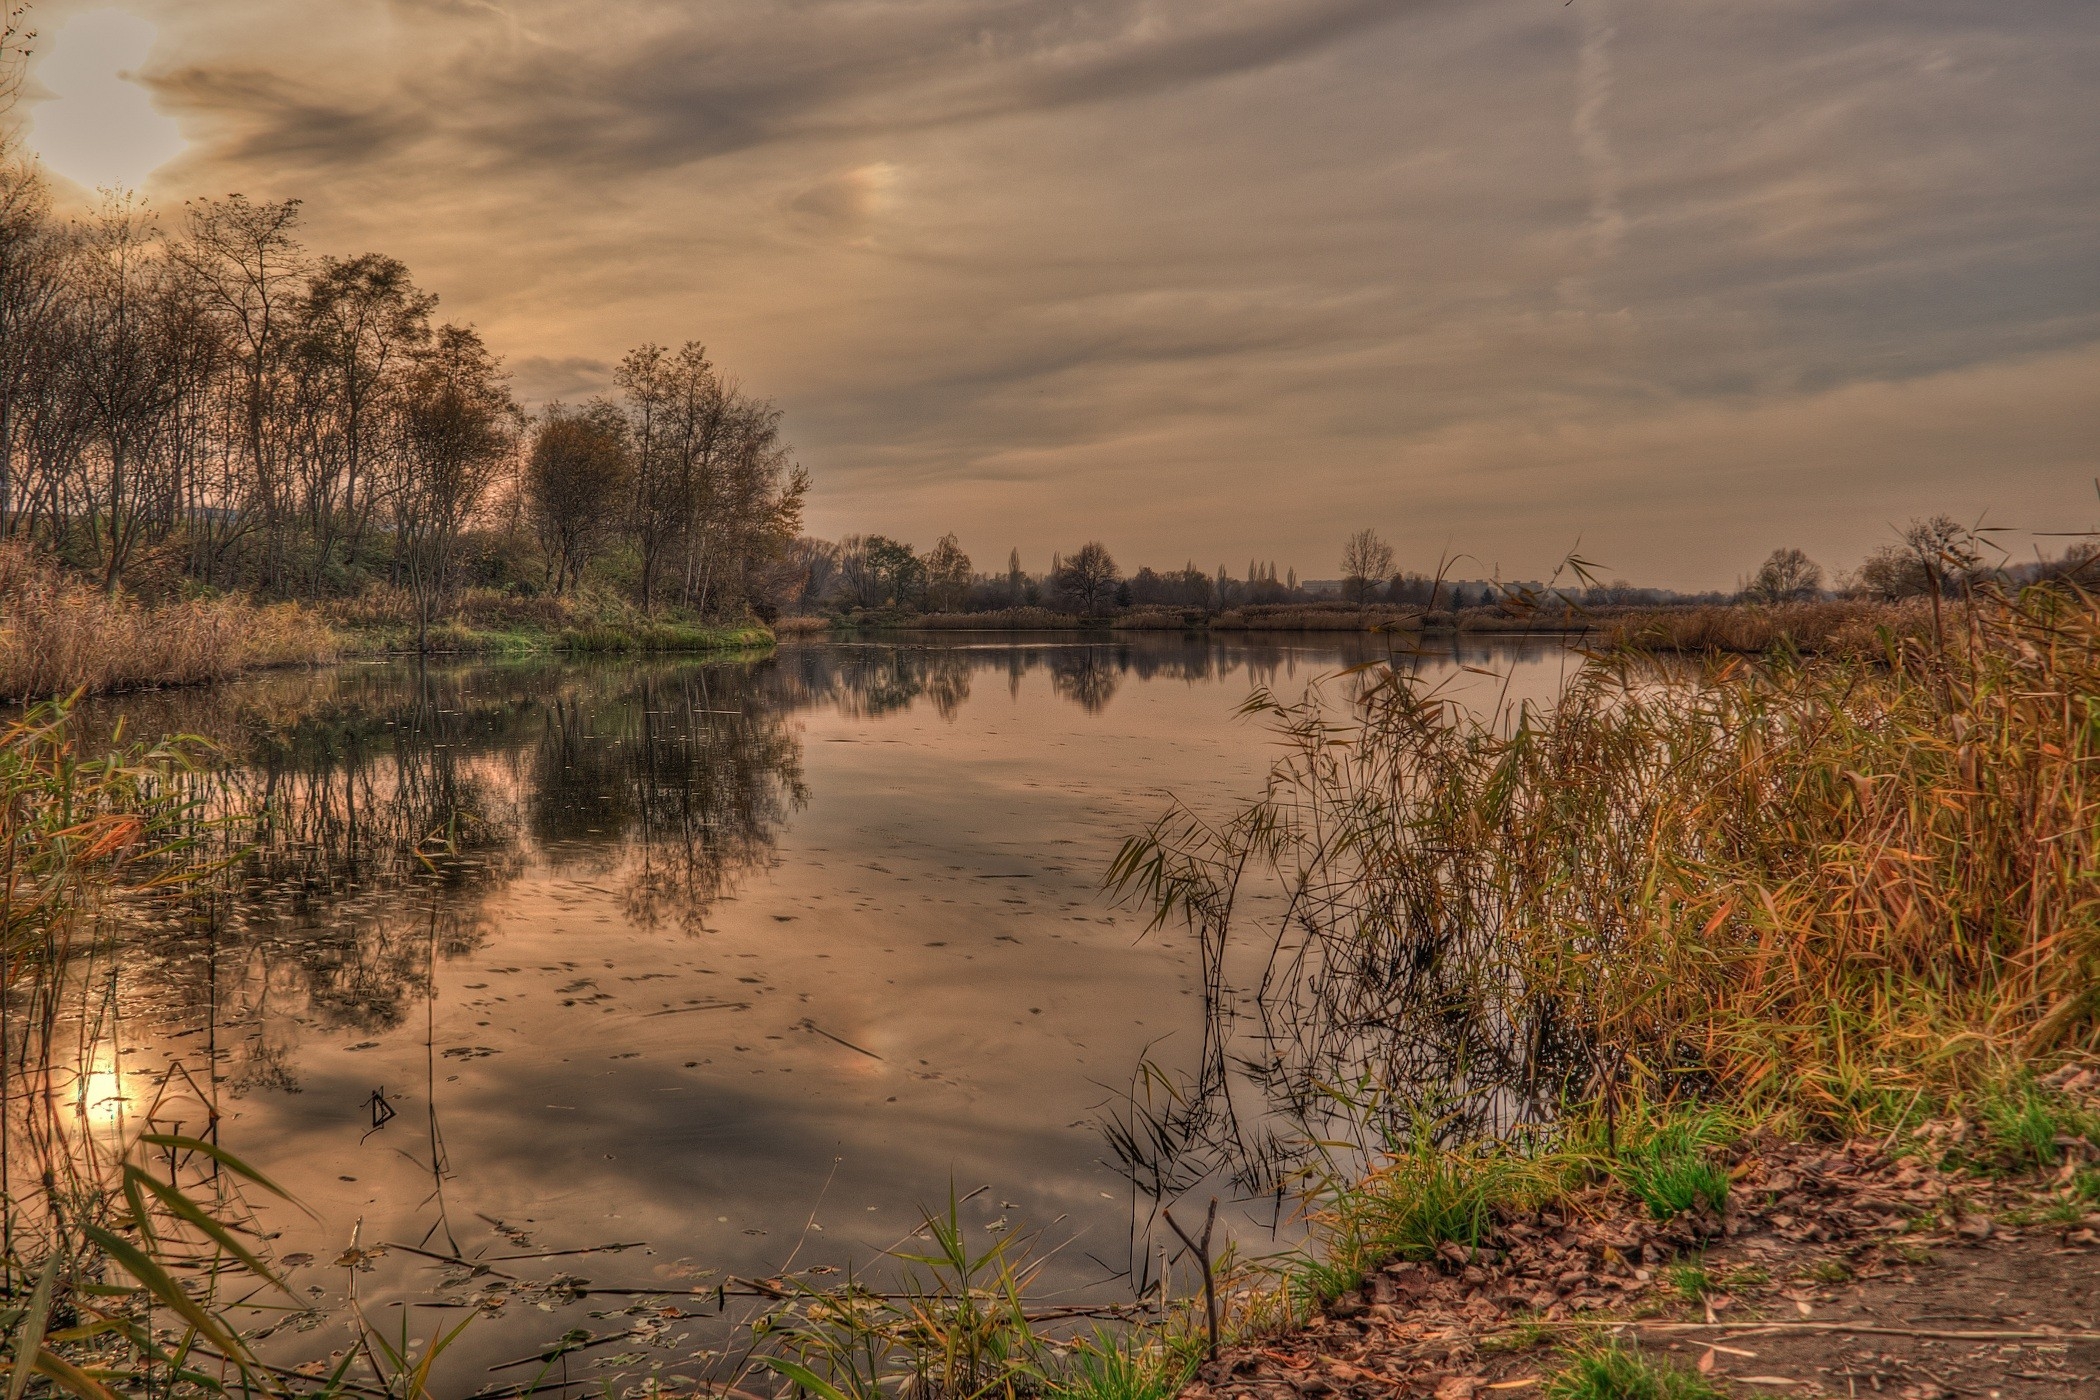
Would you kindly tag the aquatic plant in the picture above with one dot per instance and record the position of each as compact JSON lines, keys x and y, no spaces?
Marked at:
{"x":954,"y":1325}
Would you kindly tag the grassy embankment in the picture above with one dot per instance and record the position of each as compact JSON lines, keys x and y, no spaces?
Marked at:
{"x":487,"y":623}
{"x":59,"y":633}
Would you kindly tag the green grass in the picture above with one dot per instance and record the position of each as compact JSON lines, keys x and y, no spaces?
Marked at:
{"x":1616,"y":1373}
{"x":1109,"y":1366}
{"x":1671,"y":1168}
{"x":1692,"y":1281}
{"x":2026,"y":1122}
{"x":1422,"y":1199}
{"x":595,"y":638}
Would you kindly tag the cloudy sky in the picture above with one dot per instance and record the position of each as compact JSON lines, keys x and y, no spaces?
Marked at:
{"x":1678,"y":282}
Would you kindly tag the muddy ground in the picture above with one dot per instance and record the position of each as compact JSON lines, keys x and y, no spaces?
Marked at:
{"x":1835,"y":1271}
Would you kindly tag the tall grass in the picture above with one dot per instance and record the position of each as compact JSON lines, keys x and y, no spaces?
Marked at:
{"x":1818,"y":885}
{"x":59,"y":635}
{"x":1835,"y":627}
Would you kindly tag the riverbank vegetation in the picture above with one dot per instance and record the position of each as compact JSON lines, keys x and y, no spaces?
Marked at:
{"x":1815,"y":887}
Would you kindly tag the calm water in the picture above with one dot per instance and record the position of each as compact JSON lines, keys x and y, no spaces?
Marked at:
{"x":739,"y":964}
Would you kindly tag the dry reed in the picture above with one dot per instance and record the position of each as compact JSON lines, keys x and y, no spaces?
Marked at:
{"x":1819,"y":885}
{"x":1838,"y":627}
{"x":58,"y":635}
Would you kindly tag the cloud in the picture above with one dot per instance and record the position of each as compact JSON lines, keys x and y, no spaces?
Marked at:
{"x":1237,"y":275}
{"x":541,"y":379}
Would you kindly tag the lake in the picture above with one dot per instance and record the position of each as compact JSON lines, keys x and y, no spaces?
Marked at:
{"x":737,"y":965}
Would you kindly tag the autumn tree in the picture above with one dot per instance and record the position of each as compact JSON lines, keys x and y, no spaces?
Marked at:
{"x":360,"y":322}
{"x":899,"y":574}
{"x":459,"y":431}
{"x":579,"y":462}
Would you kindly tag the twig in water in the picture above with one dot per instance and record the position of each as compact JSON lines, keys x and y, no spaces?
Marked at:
{"x":808,"y":1025}
{"x":1202,"y":1253}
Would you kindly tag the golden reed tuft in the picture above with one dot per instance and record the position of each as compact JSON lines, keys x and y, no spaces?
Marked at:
{"x":59,"y":635}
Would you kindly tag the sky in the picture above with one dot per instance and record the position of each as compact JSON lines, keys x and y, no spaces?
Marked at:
{"x":1667,"y":284}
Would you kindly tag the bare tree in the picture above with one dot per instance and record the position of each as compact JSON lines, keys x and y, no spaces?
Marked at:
{"x":947,"y":575}
{"x":1935,"y":556}
{"x":1367,"y":562}
{"x":1088,"y":578}
{"x":1786,"y":576}
{"x":249,"y":269}
{"x":123,"y":296}
{"x":33,"y":254}
{"x":359,"y":323}
{"x":817,"y":561}
{"x":460,"y":430}
{"x":859,"y":579}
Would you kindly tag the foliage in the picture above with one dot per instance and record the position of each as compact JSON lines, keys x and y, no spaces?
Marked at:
{"x":1848,"y":628}
{"x":579,"y":461}
{"x":59,"y":635}
{"x":1109,"y":1366}
{"x":1417,"y":1200}
{"x":2032,"y":1125}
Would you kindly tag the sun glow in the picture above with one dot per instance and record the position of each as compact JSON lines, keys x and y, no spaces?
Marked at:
{"x":98,"y":125}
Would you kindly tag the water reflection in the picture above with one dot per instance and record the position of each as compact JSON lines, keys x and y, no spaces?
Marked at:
{"x":667,"y":946}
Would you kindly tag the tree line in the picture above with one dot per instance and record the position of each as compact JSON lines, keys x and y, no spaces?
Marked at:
{"x":874,"y":573}
{"x":214,"y":403}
